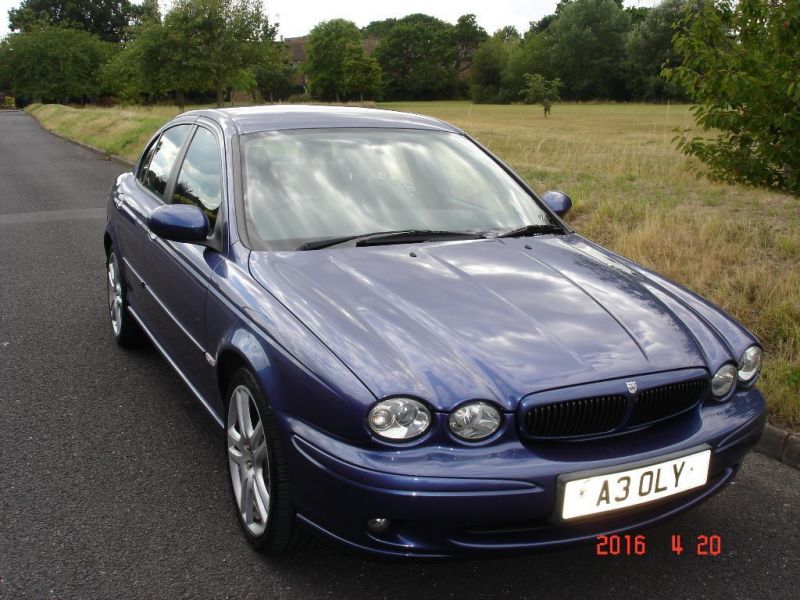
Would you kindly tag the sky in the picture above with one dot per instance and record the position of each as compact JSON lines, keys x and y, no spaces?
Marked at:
{"x":297,"y":17}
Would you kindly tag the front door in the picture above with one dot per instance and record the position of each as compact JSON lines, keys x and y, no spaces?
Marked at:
{"x":177,"y":273}
{"x":135,"y":199}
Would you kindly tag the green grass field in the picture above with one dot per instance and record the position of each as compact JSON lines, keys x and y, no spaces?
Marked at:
{"x":632,"y":191}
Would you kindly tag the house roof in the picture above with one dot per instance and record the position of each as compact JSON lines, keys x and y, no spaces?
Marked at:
{"x":297,"y":47}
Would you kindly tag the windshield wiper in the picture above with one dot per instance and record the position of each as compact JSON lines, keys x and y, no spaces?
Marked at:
{"x":531,"y":230}
{"x":404,"y":236}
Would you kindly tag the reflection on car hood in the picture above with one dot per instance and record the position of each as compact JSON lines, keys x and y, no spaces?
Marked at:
{"x":493,"y":319}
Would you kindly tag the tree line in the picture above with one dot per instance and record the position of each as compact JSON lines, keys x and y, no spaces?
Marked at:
{"x":598,"y":49}
{"x":111,"y":50}
{"x":87,"y":50}
{"x":737,"y":61}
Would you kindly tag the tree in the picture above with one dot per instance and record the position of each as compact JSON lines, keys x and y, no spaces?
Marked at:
{"x":588,"y":48}
{"x":467,"y":36}
{"x":539,"y":90}
{"x":531,"y":55}
{"x":741,"y":68}
{"x":649,"y":50}
{"x":637,"y":14}
{"x":362,"y":73}
{"x":201,"y":46}
{"x":564,"y":3}
{"x":508,"y":33}
{"x":107,"y":19}
{"x":418,"y":59}
{"x":275,"y":73}
{"x":147,"y":12}
{"x":326,"y":50}
{"x":122,"y":75}
{"x":488,"y":74}
{"x":541,"y":25}
{"x":378,"y":29}
{"x":172,"y":59}
{"x":225,"y":34}
{"x":54,"y":64}
{"x":5,"y":72}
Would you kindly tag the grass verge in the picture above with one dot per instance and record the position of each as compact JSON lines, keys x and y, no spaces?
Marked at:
{"x":118,"y":131}
{"x":632,"y":191}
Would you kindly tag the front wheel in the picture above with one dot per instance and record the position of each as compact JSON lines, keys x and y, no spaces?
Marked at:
{"x":259,"y":476}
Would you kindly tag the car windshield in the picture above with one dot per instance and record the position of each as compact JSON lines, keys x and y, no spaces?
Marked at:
{"x":308,"y":185}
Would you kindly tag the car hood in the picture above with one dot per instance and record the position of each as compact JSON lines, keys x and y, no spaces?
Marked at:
{"x":492,"y":319}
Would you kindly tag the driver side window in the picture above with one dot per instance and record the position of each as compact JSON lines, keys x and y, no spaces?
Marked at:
{"x":157,"y":166}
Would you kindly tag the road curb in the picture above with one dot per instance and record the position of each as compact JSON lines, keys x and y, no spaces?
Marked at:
{"x":780,"y":445}
{"x":103,"y":153}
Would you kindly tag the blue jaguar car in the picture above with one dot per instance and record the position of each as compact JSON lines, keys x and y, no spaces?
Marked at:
{"x":408,"y":350}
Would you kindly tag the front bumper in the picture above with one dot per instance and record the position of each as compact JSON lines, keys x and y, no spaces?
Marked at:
{"x":446,"y":501}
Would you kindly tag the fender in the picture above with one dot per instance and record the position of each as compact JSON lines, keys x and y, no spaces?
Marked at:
{"x":299,"y":375}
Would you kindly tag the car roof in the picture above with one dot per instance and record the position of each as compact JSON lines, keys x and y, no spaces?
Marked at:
{"x":253,"y":119}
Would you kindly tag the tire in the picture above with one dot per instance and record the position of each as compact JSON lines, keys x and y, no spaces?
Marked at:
{"x":126,"y":331}
{"x":258,"y":469}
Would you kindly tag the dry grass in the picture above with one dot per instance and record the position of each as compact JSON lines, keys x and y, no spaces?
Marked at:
{"x":118,"y":131}
{"x":632,"y":191}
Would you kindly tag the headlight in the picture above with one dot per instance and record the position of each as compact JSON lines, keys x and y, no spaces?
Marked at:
{"x":723,"y":381}
{"x":750,"y":364}
{"x":474,"y":421}
{"x":399,"y":419}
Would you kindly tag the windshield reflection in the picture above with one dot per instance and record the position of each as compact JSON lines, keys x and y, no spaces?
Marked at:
{"x":303,"y":185}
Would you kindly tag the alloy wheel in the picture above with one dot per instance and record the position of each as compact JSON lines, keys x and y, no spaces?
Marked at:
{"x":248,"y":460}
{"x":115,"y":300}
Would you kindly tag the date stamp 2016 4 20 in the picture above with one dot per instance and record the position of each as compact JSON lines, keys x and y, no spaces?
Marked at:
{"x":636,"y":545}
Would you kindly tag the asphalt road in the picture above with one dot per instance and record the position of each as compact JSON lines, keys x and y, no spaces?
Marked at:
{"x":113,"y":479}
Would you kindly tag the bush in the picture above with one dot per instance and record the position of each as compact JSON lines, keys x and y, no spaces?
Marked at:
{"x":741,"y":69}
{"x":487,"y":94}
{"x":303,"y":98}
{"x":54,"y":64}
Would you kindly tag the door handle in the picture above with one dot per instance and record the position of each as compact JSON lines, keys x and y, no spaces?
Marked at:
{"x":151,"y":235}
{"x":117,"y":202}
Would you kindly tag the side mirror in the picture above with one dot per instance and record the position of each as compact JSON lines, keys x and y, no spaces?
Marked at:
{"x":558,"y":202}
{"x":179,"y":223}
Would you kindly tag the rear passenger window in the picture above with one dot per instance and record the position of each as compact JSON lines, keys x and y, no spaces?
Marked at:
{"x":155,"y":172}
{"x":148,"y":156}
{"x":199,"y":178}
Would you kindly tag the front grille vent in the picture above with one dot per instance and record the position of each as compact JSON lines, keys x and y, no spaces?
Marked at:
{"x":604,"y":414}
{"x":576,"y":417}
{"x":667,"y":401}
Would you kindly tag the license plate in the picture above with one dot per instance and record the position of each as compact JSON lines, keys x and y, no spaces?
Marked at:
{"x":594,"y":494}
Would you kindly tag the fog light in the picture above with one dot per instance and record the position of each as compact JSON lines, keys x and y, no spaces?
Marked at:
{"x":378,"y":525}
